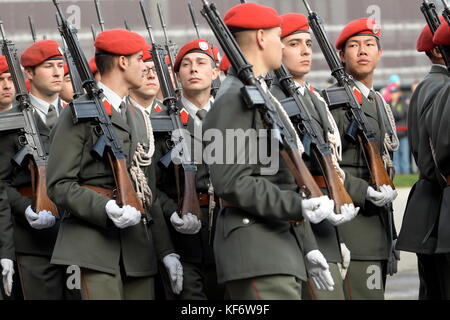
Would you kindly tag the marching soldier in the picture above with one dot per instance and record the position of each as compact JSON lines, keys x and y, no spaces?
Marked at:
{"x":419,"y":227}
{"x":196,"y":69}
{"x":7,"y":90}
{"x":369,"y":235}
{"x":35,"y":232}
{"x":297,"y":57}
{"x":260,"y":254}
{"x":117,"y":254}
{"x":437,"y":278}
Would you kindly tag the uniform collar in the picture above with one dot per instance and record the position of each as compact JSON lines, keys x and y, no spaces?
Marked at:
{"x":113,"y":98}
{"x":42,"y":105}
{"x":147,"y":110}
{"x":362,"y":87}
{"x":192,"y":108}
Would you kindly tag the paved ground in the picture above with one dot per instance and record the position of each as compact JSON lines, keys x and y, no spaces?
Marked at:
{"x":405,"y":284}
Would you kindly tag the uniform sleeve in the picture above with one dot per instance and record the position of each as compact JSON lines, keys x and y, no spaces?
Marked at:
{"x":309,"y":239}
{"x":7,"y":250}
{"x":66,"y":153}
{"x":242,"y":184}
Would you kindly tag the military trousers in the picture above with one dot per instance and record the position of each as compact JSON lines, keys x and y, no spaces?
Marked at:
{"x":97,"y":285}
{"x":271,"y":287}
{"x":200,"y":282}
{"x":434,"y":274}
{"x":311,"y":292}
{"x":365,"y":280}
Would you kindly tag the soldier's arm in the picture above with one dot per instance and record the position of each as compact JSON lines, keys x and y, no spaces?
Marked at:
{"x":242,"y":184}
{"x":309,"y":239}
{"x":66,"y":153}
{"x":7,"y":250}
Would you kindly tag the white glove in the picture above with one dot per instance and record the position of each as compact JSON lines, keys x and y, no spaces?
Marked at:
{"x":382,"y":197}
{"x":43,"y":219}
{"x":317,"y":209}
{"x":187,"y":224}
{"x":124,"y":217}
{"x":346,"y":257}
{"x":7,"y":273}
{"x":348,"y":212}
{"x":318,"y":270}
{"x":175,"y":271}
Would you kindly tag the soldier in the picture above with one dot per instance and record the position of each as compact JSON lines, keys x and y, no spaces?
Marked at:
{"x":7,"y":256}
{"x":66,"y":92}
{"x":35,"y":232}
{"x":435,"y":267}
{"x":116,"y":253}
{"x":297,"y":57}
{"x":369,"y":235}
{"x":196,"y":69}
{"x":7,"y":90}
{"x":259,"y":253}
{"x":419,"y":233}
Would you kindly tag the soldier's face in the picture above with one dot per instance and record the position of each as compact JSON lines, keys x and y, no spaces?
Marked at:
{"x":361,"y":55}
{"x":297,"y":53}
{"x":197,"y":72}
{"x":47,"y":78}
{"x":274,"y":48}
{"x":67,"y":90}
{"x":7,"y":90}
{"x":134,"y":69}
{"x":150,"y":86}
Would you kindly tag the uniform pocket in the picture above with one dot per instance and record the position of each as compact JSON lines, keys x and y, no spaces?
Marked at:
{"x":233,"y":219}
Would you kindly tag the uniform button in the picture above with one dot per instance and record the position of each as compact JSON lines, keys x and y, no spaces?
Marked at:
{"x":245,"y":221}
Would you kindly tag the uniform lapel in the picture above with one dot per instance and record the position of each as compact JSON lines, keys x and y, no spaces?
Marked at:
{"x":133,"y":129}
{"x":319,"y":113}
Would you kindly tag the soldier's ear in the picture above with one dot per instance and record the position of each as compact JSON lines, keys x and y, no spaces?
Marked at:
{"x":342,"y":55}
{"x":29,"y":72}
{"x":261,"y":38}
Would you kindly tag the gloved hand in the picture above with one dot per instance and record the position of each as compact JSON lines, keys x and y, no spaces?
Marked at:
{"x":7,"y":273}
{"x":394,"y":258}
{"x":124,"y":217}
{"x":318,"y":270}
{"x":382,"y":197}
{"x":348,"y":212}
{"x":187,"y":224}
{"x":175,"y":271}
{"x":317,"y":209}
{"x":343,"y":267}
{"x":43,"y":219}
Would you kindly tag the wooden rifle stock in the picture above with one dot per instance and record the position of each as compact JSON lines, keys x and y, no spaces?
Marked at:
{"x":190,"y":201}
{"x":335,"y":187}
{"x":378,"y":173}
{"x":125,"y":191}
{"x":40,"y":199}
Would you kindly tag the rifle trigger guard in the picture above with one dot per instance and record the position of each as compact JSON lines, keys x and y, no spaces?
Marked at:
{"x":22,"y":140}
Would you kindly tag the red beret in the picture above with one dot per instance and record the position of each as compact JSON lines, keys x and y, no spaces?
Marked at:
{"x":362,"y":26}
{"x":146,"y":53}
{"x":197,"y":45}
{"x":225,"y":64}
{"x":3,"y":64}
{"x":442,"y":35}
{"x":119,"y":42}
{"x":216,"y":52}
{"x":66,"y":68}
{"x":39,"y":52}
{"x":293,"y":23}
{"x":93,"y":65}
{"x":425,"y":40}
{"x":250,"y":16}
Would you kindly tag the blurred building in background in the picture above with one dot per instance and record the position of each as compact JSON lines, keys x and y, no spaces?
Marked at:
{"x":401,"y":22}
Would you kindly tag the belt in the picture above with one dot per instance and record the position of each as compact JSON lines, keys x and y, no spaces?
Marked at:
{"x":25,"y":191}
{"x":320,"y":180}
{"x":226,"y":204}
{"x":109,"y":193}
{"x":203,"y":199}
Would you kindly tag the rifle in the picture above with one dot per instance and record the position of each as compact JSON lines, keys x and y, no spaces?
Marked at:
{"x":101,"y":22}
{"x":32,"y":153}
{"x":312,"y":135}
{"x":359,"y":129}
{"x":255,"y":97}
{"x":94,"y":33}
{"x":108,"y":145}
{"x":169,"y":45}
{"x":190,"y":202}
{"x":446,"y":12}
{"x":33,"y":32}
{"x":429,"y":11}
{"x":216,"y":82}
{"x":77,"y":85}
{"x":125,"y":24}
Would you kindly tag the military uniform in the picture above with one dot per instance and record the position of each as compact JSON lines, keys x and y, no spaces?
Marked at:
{"x":325,"y":233}
{"x":419,"y":227}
